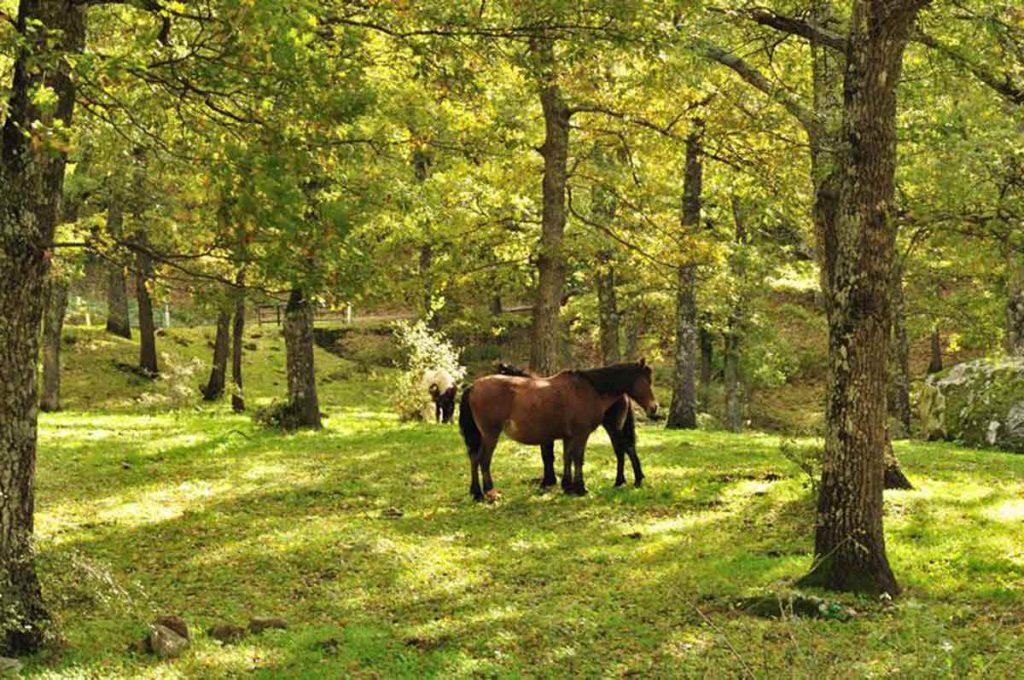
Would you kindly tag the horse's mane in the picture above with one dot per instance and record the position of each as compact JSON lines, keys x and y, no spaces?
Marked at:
{"x":617,"y":378}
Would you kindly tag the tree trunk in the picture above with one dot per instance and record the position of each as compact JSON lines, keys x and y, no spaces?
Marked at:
{"x":546,"y":331}
{"x":734,"y":330}
{"x":1015,"y":305}
{"x":706,"y":342}
{"x":147,"y":328}
{"x":53,"y":324}
{"x":900,"y":369}
{"x":634,"y":326}
{"x":237,"y":336}
{"x":32,"y":177}
{"x":214,"y":389}
{"x":117,"y":288}
{"x":733,"y":389}
{"x":935,"y":364}
{"x":607,"y":310}
{"x":859,"y":251}
{"x":683,"y":410}
{"x":682,"y":413}
{"x":298,"y":340}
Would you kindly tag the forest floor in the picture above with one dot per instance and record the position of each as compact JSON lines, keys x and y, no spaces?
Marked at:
{"x":364,"y":539}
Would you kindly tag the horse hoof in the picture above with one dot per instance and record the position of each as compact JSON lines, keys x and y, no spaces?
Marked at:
{"x":620,"y":482}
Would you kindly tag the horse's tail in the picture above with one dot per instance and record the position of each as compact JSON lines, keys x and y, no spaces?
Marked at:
{"x":467,"y":425}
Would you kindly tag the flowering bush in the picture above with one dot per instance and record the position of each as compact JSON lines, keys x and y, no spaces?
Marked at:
{"x":428,"y":357}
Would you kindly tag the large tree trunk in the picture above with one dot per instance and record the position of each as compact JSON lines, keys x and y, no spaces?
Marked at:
{"x":850,"y":543}
{"x":298,"y":340}
{"x":237,"y":336}
{"x":546,"y":331}
{"x":32,"y":177}
{"x":147,"y":327}
{"x":117,"y":287}
{"x":214,"y":389}
{"x":900,"y":369}
{"x":683,"y":410}
{"x":53,"y":325}
{"x":935,"y":363}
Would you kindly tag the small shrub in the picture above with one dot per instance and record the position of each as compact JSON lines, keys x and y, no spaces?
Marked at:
{"x":806,"y":457}
{"x":425,"y":352}
{"x":278,"y":415}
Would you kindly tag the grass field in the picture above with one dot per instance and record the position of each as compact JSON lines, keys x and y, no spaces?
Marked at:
{"x":365,"y":539}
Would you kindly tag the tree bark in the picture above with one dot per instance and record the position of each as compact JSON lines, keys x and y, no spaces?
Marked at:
{"x":682,"y":413}
{"x":147,"y":327}
{"x":733,"y":388}
{"x":935,"y":364}
{"x":298,"y":340}
{"x":118,"y":322}
{"x":706,"y":343}
{"x":32,"y":177}
{"x":607,"y":310}
{"x":1015,"y":304}
{"x":53,"y":324}
{"x":214,"y":389}
{"x":734,"y":329}
{"x":237,"y":336}
{"x":859,"y":252}
{"x":546,"y":331}
{"x":634,"y":327}
{"x":683,"y":409}
{"x":900,"y":369}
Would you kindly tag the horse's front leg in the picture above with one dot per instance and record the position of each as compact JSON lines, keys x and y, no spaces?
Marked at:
{"x":638,"y":474}
{"x":547,"y":455}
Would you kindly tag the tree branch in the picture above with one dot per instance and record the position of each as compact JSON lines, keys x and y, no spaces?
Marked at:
{"x":755,"y":78}
{"x":1002,"y":83}
{"x":792,"y":25}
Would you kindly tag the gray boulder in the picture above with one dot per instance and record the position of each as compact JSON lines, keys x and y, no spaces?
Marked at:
{"x":166,"y":643}
{"x":978,"y":403}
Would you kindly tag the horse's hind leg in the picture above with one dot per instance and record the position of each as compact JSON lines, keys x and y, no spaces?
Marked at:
{"x":474,"y":476}
{"x":547,"y":455}
{"x":566,"y":467}
{"x":620,"y":457}
{"x":486,"y":454}
{"x":574,"y":451}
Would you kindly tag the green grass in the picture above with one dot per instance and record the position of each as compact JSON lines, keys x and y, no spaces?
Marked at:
{"x":364,"y":538}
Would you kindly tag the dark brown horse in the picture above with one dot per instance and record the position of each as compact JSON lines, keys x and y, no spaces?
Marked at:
{"x":567,"y":406}
{"x":620,"y":424}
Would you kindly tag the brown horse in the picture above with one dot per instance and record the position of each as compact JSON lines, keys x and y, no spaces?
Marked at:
{"x":620,"y":424}
{"x":567,"y":406}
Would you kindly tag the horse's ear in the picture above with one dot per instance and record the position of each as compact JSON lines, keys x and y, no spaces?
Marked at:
{"x":642,"y":362}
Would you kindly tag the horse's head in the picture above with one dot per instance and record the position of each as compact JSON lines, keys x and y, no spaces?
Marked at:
{"x":642,"y":389}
